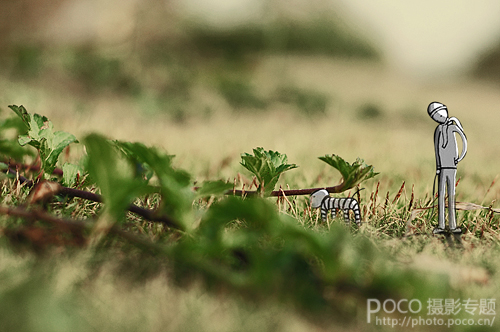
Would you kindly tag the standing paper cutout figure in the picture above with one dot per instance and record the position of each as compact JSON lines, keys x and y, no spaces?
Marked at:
{"x":446,"y":149}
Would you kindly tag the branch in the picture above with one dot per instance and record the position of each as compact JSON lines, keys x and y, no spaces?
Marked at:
{"x":291,"y":192}
{"x":40,"y":215}
{"x":93,"y":197}
{"x":22,"y":179}
{"x":70,"y":192}
{"x":145,"y":213}
{"x":79,"y":226}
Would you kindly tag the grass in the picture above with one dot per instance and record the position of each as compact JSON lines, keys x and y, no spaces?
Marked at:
{"x":120,"y":289}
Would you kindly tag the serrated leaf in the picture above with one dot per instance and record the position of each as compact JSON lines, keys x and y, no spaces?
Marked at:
{"x":23,"y":140}
{"x":53,"y":148}
{"x":267,"y":166}
{"x":353,"y":174}
{"x":22,"y":113}
{"x":40,"y":127}
{"x":41,"y":136}
{"x":61,"y":139}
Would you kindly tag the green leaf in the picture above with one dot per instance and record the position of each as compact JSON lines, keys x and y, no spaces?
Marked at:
{"x":353,"y":174}
{"x":257,"y":213}
{"x":10,"y":148}
{"x":22,"y":113}
{"x":118,"y":187}
{"x":213,"y":188}
{"x":53,"y":148}
{"x":23,"y":140}
{"x":267,"y":166}
{"x":41,"y":136}
{"x":39,"y":127}
{"x":158,"y":161}
{"x":144,"y":158}
{"x":177,"y":195}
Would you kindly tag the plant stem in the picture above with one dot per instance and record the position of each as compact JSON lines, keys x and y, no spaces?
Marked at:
{"x":80,"y":226}
{"x":145,"y":213}
{"x":70,"y":192}
{"x":290,"y":192}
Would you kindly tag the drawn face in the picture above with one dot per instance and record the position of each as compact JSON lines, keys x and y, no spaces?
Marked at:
{"x":440,"y":116}
{"x":317,"y":197}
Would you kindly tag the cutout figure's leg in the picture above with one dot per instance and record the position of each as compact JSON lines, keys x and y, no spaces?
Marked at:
{"x":441,"y":196}
{"x":451,"y":176}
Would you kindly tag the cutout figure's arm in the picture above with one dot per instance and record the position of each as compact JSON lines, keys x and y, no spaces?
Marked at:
{"x":464,"y":147}
{"x":436,"y":148}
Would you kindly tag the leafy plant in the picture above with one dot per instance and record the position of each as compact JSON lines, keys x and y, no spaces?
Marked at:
{"x":352,"y":174}
{"x":267,"y":166}
{"x":42,"y":137}
{"x":118,"y":185}
{"x":175,"y":185}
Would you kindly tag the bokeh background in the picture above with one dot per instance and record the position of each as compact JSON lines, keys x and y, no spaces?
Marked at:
{"x":208,"y":80}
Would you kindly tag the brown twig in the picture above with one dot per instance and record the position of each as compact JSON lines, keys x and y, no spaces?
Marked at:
{"x":36,"y":214}
{"x":70,"y":192}
{"x":291,"y":192}
{"x":145,"y":213}
{"x":21,"y":179}
{"x":73,"y":225}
